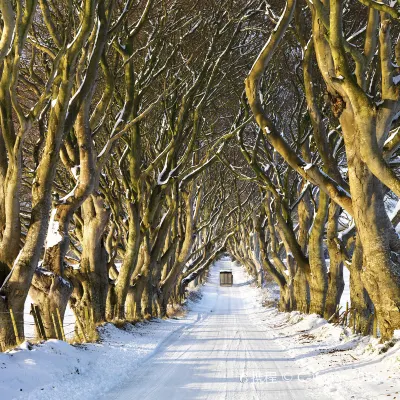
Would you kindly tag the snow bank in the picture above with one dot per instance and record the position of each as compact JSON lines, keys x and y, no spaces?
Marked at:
{"x":347,"y":365}
{"x":58,"y":370}
{"x":344,"y":365}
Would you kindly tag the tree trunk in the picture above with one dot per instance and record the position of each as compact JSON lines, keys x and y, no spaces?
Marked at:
{"x":50,"y":290}
{"x":335,"y":274}
{"x":129,"y":262}
{"x":133,"y":302}
{"x":301,"y":291}
{"x":360,"y":301}
{"x":285,"y":300}
{"x":91,"y":280}
{"x":147,"y":294}
{"x":381,"y":266}
{"x":51,"y":294}
{"x":7,"y":336}
{"x":318,"y":277}
{"x":301,"y":286}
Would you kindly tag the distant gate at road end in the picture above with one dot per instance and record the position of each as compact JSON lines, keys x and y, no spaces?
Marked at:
{"x":225,"y":277}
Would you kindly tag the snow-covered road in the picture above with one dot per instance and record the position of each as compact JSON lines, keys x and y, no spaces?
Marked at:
{"x":227,"y":346}
{"x":226,"y":354}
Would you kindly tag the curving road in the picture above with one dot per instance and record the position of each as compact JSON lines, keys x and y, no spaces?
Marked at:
{"x":226,"y":354}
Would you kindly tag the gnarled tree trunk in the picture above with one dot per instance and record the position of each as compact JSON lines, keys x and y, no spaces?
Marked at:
{"x":91,"y":282}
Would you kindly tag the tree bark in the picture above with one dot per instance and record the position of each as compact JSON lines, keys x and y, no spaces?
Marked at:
{"x":318,"y":275}
{"x":360,"y":301}
{"x":335,"y":274}
{"x":380,"y":274}
{"x":91,"y":282}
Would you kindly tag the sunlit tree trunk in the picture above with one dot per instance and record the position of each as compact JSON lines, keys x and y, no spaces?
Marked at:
{"x":91,"y":283}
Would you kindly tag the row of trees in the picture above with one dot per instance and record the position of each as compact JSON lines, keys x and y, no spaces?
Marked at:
{"x":325,"y":97}
{"x":113,"y":116}
{"x":132,"y":154}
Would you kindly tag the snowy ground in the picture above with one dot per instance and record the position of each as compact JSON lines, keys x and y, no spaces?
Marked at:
{"x":227,"y":347}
